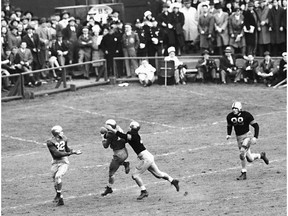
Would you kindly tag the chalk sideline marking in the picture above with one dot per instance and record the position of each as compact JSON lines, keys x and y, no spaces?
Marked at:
{"x":135,"y":186}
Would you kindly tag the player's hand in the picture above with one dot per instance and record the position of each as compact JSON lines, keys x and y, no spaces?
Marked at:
{"x":253,"y":140}
{"x":228,"y":137}
{"x":103,"y":130}
{"x":78,"y":152}
{"x":109,"y":128}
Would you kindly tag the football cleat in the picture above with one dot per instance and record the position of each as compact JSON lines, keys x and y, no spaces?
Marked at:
{"x":60,"y":202}
{"x":242,"y":176}
{"x":127,"y":167}
{"x":143,"y":194}
{"x":264,"y":158}
{"x":56,"y":199}
{"x":107,"y":191}
{"x":176,"y":184}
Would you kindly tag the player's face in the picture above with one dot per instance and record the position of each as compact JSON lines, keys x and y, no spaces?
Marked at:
{"x":235,"y":110}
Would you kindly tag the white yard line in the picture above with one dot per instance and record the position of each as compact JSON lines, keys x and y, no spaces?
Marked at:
{"x":148,"y":184}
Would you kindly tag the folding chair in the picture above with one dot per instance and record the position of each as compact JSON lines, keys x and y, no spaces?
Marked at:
{"x":166,"y":73}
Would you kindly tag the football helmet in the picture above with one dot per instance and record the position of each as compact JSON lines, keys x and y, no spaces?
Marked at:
{"x":135,"y":125}
{"x":237,"y":105}
{"x":57,"y":131}
{"x":111,"y":122}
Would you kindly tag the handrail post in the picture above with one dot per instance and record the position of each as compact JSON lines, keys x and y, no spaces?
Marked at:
{"x":105,"y":70}
{"x":64,"y":78}
{"x":22,"y":85}
{"x":165,"y":73}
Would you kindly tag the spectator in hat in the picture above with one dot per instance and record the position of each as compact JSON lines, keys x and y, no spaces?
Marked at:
{"x":180,"y":68}
{"x":21,"y":31}
{"x":54,"y":55}
{"x":264,"y":39}
{"x":28,"y":15}
{"x":228,"y":68}
{"x":155,"y":41}
{"x":59,"y":52}
{"x":65,"y":19}
{"x":165,"y":21}
{"x":13,"y":39}
{"x":250,"y":29}
{"x":45,"y":38}
{"x":250,"y":70}
{"x":267,"y":68}
{"x":110,"y":45}
{"x":205,"y":30}
{"x":34,"y":44}
{"x":71,"y":34}
{"x":147,"y":15}
{"x":221,"y":28}
{"x":97,"y":53}
{"x":18,"y":13}
{"x":85,"y":49}
{"x":200,"y":6}
{"x":277,"y":29}
{"x":4,"y":37}
{"x":25,"y":21}
{"x":34,"y":22}
{"x":143,"y":38}
{"x":237,"y":41}
{"x":281,"y":72}
{"x":145,"y":73}
{"x":206,"y":68}
{"x":190,"y":24}
{"x":178,"y":24}
{"x":130,"y":44}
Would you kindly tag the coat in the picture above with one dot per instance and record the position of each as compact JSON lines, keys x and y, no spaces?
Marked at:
{"x":35,"y":47}
{"x":275,"y":21}
{"x":263,"y":34}
{"x":236,"y":28}
{"x":251,"y":19}
{"x":225,"y":63}
{"x":222,"y":38}
{"x":205,"y":24}
{"x":13,"y":40}
{"x":169,"y":34}
{"x":190,"y":23}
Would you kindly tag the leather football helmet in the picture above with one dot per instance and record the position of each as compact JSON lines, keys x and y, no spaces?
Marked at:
{"x":57,"y":130}
{"x":237,"y":105}
{"x":111,"y":122}
{"x":135,"y":125}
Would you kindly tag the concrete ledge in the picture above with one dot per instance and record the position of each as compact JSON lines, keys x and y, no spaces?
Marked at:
{"x":10,"y":98}
{"x":74,"y":87}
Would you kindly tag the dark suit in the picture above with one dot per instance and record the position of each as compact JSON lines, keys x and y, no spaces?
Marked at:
{"x":252,"y":72}
{"x":225,"y":64}
{"x":34,"y":45}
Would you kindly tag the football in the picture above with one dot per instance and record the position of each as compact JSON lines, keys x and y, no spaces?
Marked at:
{"x":103,"y":130}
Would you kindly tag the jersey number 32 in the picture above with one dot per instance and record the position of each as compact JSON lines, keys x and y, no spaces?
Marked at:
{"x":60,"y":145}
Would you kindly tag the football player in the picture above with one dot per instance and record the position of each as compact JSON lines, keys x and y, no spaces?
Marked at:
{"x":241,"y":120}
{"x":120,"y":153}
{"x":146,"y":158}
{"x":60,"y":151}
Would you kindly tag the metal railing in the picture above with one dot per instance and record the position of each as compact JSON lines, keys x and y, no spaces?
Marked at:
{"x":18,"y":90}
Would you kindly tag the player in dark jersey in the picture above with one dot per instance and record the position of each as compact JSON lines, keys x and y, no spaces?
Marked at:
{"x":241,"y":121}
{"x":146,"y":158}
{"x":120,"y":153}
{"x":60,"y":151}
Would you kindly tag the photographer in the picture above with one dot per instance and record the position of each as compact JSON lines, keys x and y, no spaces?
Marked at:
{"x":206,"y":68}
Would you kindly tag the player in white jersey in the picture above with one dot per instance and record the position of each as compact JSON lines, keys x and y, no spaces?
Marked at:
{"x":60,"y":151}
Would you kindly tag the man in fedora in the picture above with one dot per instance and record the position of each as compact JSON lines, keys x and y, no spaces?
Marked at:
{"x":228,"y":68}
{"x":206,"y":67}
{"x":249,"y":70}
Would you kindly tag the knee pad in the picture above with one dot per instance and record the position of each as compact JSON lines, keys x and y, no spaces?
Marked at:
{"x":111,"y":179}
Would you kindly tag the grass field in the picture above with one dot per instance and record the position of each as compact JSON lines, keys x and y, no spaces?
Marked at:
{"x":183,"y":126}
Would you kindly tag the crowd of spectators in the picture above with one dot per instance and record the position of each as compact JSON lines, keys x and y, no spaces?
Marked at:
{"x":247,"y":27}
